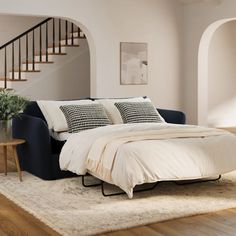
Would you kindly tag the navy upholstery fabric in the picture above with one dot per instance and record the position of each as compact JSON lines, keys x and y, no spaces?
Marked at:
{"x":171,"y":116}
{"x":40,"y":154}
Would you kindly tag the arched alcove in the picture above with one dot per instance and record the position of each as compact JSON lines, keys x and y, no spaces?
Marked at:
{"x":203,"y":69}
{"x":68,"y":76}
{"x":222,"y":77}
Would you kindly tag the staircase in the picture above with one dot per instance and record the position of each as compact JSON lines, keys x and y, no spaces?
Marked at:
{"x":40,"y":45}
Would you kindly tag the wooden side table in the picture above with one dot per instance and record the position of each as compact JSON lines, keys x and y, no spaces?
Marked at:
{"x":13,"y":143}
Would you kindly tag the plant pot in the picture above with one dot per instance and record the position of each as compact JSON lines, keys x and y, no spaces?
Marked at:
{"x":5,"y":130}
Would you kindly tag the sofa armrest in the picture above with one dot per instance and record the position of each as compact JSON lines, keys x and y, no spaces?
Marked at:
{"x":34,"y":155}
{"x":172,"y":116}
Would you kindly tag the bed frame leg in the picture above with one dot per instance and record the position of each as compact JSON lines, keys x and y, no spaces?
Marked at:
{"x":89,"y":185}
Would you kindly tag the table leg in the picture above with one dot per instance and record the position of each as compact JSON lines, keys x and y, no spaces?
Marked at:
{"x":17,"y":161}
{"x":5,"y":158}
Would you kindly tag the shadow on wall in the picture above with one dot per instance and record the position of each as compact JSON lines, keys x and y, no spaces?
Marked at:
{"x":223,"y":115}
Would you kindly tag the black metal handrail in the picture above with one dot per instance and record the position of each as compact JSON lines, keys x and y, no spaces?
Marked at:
{"x":32,"y":31}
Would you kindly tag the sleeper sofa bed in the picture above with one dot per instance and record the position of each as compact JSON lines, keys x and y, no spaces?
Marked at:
{"x":40,"y":154}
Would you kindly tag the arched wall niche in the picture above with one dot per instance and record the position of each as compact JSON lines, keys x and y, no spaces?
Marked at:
{"x":89,"y":38}
{"x":203,"y":69}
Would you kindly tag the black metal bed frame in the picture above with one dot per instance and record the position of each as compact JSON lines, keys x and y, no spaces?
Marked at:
{"x":180,"y":182}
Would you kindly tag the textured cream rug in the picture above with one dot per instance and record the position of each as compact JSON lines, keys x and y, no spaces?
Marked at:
{"x":70,"y":209}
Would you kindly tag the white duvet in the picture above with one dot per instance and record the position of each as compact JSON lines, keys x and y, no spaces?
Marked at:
{"x":130,"y":154}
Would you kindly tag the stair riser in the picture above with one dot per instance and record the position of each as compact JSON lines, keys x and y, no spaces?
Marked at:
{"x":2,"y":84}
{"x":30,"y":66}
{"x":63,"y":50}
{"x":16,"y":75}
{"x":75,"y":34}
{"x":69,"y":42}
{"x":50,"y":58}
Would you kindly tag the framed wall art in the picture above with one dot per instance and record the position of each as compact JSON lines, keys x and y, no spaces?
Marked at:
{"x":133,"y":63}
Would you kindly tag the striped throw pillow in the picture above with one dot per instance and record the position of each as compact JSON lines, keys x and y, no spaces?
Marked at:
{"x":138,"y":112}
{"x":83,"y":117}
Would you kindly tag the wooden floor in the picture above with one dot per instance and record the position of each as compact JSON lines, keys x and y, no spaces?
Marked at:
{"x":16,"y":221}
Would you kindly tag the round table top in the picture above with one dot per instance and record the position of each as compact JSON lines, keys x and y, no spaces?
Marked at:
{"x":12,"y":142}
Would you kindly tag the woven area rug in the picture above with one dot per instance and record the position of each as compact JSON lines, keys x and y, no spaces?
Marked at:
{"x":70,"y":209}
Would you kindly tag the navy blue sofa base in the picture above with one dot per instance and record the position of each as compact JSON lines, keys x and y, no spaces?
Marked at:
{"x":40,"y":154}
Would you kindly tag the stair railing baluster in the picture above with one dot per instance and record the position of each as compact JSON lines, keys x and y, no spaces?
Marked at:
{"x":59,"y":35}
{"x":72,"y":31}
{"x":46,"y":41}
{"x":26,"y":33}
{"x":40,"y":43}
{"x":33,"y":52}
{"x":66,"y":31}
{"x":13,"y":62}
{"x":27,"y":52}
{"x":19,"y":75}
{"x":5,"y":68}
{"x":53,"y":34}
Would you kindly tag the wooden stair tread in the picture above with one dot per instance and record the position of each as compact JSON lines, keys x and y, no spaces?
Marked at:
{"x":13,"y":80}
{"x":70,"y":38}
{"x":17,"y":70}
{"x":51,"y":53}
{"x":38,"y":62}
{"x":62,"y":45}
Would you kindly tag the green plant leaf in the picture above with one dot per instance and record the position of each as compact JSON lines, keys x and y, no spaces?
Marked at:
{"x":11,"y":104}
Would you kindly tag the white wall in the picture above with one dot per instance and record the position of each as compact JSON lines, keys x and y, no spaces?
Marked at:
{"x":106,"y":23}
{"x":11,"y":26}
{"x":158,"y":24}
{"x":222,"y":77}
{"x":197,"y":18}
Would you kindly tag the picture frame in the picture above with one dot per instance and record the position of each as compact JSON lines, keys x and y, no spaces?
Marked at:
{"x":133,"y":63}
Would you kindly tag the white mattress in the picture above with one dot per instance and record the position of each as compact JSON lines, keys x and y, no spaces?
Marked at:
{"x":60,"y":136}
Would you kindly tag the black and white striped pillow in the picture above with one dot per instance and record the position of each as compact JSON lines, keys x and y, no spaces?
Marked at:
{"x":138,"y":112}
{"x":83,"y":117}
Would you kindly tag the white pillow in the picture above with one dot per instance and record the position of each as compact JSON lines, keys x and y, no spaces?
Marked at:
{"x":112,"y":111}
{"x":53,"y":114}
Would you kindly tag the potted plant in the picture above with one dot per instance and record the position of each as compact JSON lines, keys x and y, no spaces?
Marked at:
{"x":11,"y":105}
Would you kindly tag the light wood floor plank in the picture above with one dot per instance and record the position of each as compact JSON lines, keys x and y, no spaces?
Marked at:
{"x":15,"y":221}
{"x":199,"y":224}
{"x":217,"y":226}
{"x":120,"y":233}
{"x":165,"y":229}
{"x":145,"y":230}
{"x":225,"y":217}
